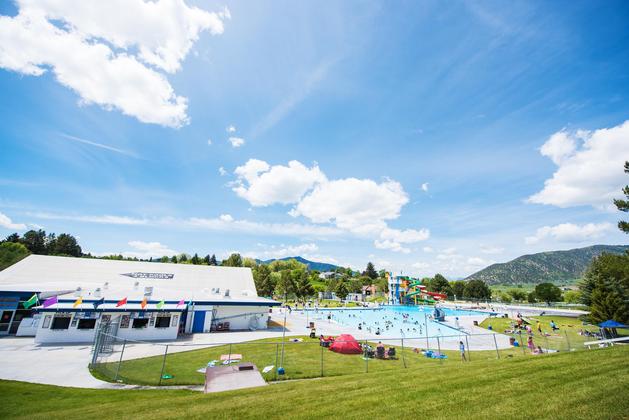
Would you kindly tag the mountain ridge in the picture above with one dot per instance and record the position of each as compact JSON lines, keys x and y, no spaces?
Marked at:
{"x":549,"y":266}
{"x":312,"y":265}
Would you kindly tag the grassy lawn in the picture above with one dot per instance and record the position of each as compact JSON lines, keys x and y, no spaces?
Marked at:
{"x":580,"y":385}
{"x":568,"y":331}
{"x":301,"y":360}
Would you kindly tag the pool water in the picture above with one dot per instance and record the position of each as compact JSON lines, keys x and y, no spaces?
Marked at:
{"x":393,"y":321}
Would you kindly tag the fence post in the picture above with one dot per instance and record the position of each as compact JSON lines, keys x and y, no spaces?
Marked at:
{"x":321,"y":359}
{"x":496,"y":344}
{"x":467,"y":345}
{"x":567,"y":339}
{"x":277,"y":352}
{"x":230,"y":353}
{"x":439,"y":349}
{"x":163,"y":364}
{"x":366,"y":360}
{"x":124,"y":343}
{"x":403,"y":358}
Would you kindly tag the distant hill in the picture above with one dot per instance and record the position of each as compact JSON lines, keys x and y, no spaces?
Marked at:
{"x":545,"y":266}
{"x":312,"y":265}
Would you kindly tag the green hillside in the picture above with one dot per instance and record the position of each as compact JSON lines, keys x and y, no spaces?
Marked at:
{"x":553,"y":266}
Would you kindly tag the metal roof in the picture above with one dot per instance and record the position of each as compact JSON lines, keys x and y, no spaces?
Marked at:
{"x":113,"y":279}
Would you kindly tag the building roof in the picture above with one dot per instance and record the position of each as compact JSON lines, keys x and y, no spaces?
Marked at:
{"x":112,"y":280}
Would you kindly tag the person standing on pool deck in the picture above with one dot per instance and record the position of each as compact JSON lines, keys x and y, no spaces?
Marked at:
{"x":462,"y":349}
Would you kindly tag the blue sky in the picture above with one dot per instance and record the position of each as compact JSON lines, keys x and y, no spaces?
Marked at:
{"x":424,"y":136}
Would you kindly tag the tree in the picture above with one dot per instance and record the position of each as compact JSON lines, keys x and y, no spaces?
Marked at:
{"x":476,"y":289}
{"x":234,"y":260}
{"x":341,"y":290}
{"x":195,"y":259}
{"x":548,"y":292}
{"x":623,"y":205}
{"x":505,"y":297}
{"x":173,"y":259}
{"x":164,"y":259}
{"x":518,"y":295}
{"x":67,"y":245}
{"x":458,"y":288}
{"x":439,"y":284}
{"x":605,"y":288}
{"x":10,"y":253}
{"x":183,"y":258}
{"x":572,"y":296}
{"x":14,"y":237}
{"x":531,"y":297}
{"x":249,"y":262}
{"x":263,"y":280}
{"x":370,"y":271}
{"x":285,"y":285}
{"x":206,"y":260}
{"x":35,"y":241}
{"x":303,"y":287}
{"x":213,"y":260}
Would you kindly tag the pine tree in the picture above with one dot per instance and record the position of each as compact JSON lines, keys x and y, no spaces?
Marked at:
{"x":370,"y":271}
{"x":213,"y":260}
{"x":623,"y":205}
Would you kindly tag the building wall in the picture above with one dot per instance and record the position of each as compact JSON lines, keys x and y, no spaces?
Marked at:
{"x":74,"y":335}
{"x":243,"y":317}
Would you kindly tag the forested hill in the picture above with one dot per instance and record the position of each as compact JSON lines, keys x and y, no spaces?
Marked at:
{"x":312,"y":265}
{"x":545,"y":266}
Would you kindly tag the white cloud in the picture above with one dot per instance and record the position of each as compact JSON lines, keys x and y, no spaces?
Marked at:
{"x":262,"y":185}
{"x":230,"y":129}
{"x":110,"y":53}
{"x":105,"y":219}
{"x":303,"y":250}
{"x":421,"y":265}
{"x":7,"y":223}
{"x":569,"y":232}
{"x":222,"y":171}
{"x":486,"y":249}
{"x":383,"y":263}
{"x":590,"y":167}
{"x":144,"y":250}
{"x":209,"y":142}
{"x":477,"y":262}
{"x":449,"y":251}
{"x":391,"y":245}
{"x":236,"y":141}
{"x":360,"y":206}
{"x":424,"y":187}
{"x":226,"y":218}
{"x":427,"y":249}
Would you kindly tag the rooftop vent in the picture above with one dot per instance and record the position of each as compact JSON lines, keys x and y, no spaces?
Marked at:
{"x":97,"y":292}
{"x":106,"y":285}
{"x":136,"y":285}
{"x":77,"y":292}
{"x":226,"y":292}
{"x":148,"y":291}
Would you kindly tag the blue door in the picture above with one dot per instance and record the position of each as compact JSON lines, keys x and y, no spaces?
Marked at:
{"x":198,"y":321}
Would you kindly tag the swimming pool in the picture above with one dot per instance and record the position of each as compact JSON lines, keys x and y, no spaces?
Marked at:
{"x":393,"y":321}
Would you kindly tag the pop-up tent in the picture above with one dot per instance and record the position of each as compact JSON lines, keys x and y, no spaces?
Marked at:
{"x":346,"y":344}
{"x":610,"y":323}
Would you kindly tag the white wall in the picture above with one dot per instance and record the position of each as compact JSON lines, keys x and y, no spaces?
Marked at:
{"x":70,"y":335}
{"x":150,"y":333}
{"x":258,"y":321}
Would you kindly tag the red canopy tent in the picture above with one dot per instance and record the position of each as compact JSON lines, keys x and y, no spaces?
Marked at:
{"x":346,"y":344}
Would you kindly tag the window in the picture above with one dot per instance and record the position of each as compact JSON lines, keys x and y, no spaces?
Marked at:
{"x":124,"y":321}
{"x":162,"y":322}
{"x":86,"y":324}
{"x":140,"y":322}
{"x":175,"y":321}
{"x":47,"y":319}
{"x":60,"y":323}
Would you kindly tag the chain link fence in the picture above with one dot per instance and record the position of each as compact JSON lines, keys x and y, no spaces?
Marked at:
{"x":180,"y":363}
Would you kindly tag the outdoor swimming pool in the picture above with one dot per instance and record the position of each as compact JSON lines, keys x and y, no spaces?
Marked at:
{"x":393,"y":321}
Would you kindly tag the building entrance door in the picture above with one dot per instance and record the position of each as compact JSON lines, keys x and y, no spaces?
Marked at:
{"x":5,"y":322}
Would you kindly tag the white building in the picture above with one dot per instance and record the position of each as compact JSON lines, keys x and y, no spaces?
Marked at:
{"x":162,"y":300}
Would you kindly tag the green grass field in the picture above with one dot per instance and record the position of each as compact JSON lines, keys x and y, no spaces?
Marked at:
{"x":301,"y":360}
{"x":578,"y":385}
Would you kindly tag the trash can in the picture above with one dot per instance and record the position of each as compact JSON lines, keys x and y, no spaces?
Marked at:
{"x":476,"y":323}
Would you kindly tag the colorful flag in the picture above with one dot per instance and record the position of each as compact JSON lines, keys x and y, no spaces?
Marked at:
{"x":99,"y":302}
{"x":144,"y":302}
{"x":121,"y":302}
{"x":160,"y":304}
{"x":181,"y":303}
{"x":30,"y":302}
{"x":78,"y":302}
{"x":51,"y":301}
